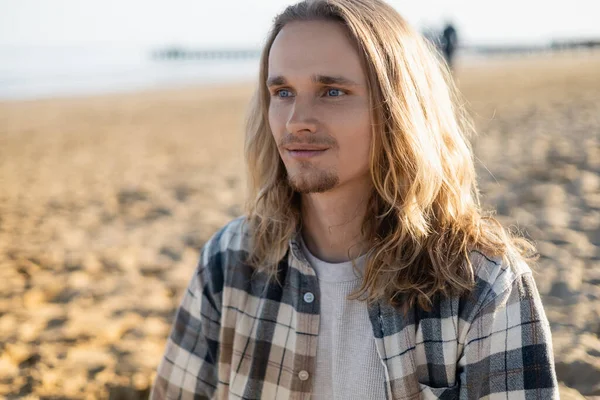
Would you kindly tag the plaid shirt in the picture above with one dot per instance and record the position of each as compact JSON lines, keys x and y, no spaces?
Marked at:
{"x":238,"y":336}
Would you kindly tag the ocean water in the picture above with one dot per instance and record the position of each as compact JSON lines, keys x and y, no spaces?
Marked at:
{"x":42,"y":72}
{"x":46,"y":72}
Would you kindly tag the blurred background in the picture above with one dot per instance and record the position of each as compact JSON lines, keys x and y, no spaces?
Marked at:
{"x":121,"y":131}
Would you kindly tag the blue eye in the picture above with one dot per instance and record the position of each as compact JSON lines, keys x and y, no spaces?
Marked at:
{"x":284,"y":93}
{"x":335,"y":92}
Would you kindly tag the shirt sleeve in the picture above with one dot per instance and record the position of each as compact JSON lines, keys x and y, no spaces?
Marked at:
{"x":508,"y":349}
{"x":189,"y":369}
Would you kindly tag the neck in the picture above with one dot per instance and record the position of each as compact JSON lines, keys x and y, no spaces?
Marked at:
{"x":332,"y":222}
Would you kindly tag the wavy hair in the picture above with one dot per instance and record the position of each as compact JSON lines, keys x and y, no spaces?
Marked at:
{"x":424,"y":215}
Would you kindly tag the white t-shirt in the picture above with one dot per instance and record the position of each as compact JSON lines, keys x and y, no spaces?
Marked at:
{"x":348,"y":366}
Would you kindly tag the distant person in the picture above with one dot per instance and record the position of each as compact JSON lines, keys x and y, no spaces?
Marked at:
{"x":364,"y":267}
{"x":449,"y":43}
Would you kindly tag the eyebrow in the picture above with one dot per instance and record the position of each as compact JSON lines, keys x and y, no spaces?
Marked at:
{"x":321,"y":79}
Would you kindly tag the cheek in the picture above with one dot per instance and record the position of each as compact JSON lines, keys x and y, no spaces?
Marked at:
{"x":276,"y":121}
{"x":355,"y":127}
{"x":354,"y":136}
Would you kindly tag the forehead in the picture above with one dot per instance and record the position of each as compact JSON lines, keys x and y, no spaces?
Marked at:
{"x":302,"y":49}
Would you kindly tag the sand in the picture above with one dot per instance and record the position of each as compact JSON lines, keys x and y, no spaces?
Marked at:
{"x":105,"y":202}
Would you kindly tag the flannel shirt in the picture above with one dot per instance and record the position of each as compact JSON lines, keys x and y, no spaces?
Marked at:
{"x":237,"y":335}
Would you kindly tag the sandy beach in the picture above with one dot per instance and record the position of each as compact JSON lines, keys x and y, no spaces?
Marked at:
{"x":105,"y":202}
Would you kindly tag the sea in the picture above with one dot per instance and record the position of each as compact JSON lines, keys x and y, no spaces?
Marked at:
{"x":47,"y":72}
{"x":32,"y":72}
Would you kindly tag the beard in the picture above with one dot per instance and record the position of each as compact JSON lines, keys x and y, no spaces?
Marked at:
{"x":312,"y":180}
{"x":307,"y":178}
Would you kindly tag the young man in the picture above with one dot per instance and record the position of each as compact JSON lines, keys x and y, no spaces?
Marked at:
{"x":364,"y":268}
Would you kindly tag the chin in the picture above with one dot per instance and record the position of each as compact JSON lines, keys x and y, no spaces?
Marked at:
{"x":317,"y":182}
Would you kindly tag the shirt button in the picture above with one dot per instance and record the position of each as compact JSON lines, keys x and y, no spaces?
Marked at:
{"x":309,"y":297}
{"x":303,"y":375}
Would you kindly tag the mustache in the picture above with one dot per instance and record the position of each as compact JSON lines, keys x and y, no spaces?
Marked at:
{"x":308,"y":139}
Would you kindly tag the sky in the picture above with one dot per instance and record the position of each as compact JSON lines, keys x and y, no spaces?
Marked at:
{"x":244,"y":23}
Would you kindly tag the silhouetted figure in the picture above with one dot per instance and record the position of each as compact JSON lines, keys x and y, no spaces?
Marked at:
{"x":449,"y":43}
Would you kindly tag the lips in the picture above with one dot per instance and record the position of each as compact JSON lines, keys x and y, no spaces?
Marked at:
{"x":304,"y":152}
{"x":306,"y":148}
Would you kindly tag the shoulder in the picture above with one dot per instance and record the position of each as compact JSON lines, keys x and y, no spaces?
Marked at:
{"x":231,"y":238}
{"x":495,"y":278}
{"x":226,"y":250}
{"x":497,"y":273}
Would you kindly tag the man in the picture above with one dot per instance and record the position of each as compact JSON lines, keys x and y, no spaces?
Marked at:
{"x":364,"y":268}
{"x":449,"y":43}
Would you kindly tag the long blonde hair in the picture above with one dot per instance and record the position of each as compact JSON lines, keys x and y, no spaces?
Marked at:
{"x":424,"y":215}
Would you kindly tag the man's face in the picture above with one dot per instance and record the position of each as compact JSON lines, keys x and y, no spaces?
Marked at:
{"x":319,"y":111}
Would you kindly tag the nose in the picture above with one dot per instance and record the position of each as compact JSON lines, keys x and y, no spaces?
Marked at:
{"x":302,"y":118}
